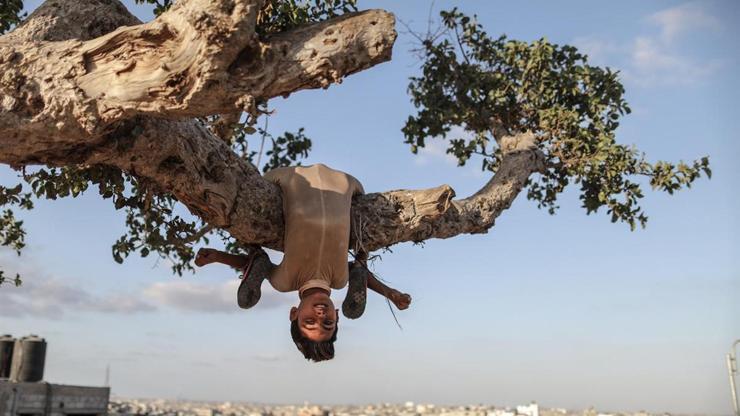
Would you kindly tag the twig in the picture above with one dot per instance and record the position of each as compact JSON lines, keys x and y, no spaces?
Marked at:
{"x":264,"y":136}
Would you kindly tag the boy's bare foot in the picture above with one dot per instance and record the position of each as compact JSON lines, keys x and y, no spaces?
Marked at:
{"x":401,"y":300}
{"x":205,"y":256}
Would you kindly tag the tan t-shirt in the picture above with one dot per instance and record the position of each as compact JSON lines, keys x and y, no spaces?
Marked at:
{"x":316,"y":210}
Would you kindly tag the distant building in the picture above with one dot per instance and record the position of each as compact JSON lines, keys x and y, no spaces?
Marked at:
{"x":500,"y":412}
{"x":23,"y":393}
{"x":528,"y":410}
{"x":45,"y":399}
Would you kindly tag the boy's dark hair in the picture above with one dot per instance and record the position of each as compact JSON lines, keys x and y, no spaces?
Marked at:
{"x":312,"y":350}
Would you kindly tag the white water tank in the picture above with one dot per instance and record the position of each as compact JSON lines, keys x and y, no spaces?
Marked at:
{"x":29,"y":356}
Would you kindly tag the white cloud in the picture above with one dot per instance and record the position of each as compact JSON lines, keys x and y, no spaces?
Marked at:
{"x":49,"y":296}
{"x":653,"y":64}
{"x":598,"y":50}
{"x":681,"y":19}
{"x":121,"y":303}
{"x":197,"y":297}
{"x":53,"y":298}
{"x":434,"y":151}
{"x":658,"y":59}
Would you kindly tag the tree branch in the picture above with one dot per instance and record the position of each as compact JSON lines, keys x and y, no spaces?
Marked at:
{"x":202,"y":57}
{"x":174,"y":69}
{"x":317,"y":55}
{"x":200,"y":170}
{"x":393,"y":217}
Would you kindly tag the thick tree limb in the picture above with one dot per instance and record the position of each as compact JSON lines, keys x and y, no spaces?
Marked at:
{"x":200,"y":58}
{"x":316,"y":56}
{"x":159,"y":68}
{"x":49,"y":114}
{"x":185,"y":159}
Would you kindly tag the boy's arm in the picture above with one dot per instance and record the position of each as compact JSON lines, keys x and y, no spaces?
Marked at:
{"x":401,"y":300}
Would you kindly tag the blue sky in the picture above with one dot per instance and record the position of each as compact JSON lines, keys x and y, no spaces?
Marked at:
{"x":568,"y":310}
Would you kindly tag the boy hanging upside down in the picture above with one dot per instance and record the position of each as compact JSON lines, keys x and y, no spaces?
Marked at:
{"x":316,"y":209}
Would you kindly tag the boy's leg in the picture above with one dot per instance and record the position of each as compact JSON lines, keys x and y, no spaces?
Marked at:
{"x":354,"y":303}
{"x":256,"y":269}
{"x":361,"y":279}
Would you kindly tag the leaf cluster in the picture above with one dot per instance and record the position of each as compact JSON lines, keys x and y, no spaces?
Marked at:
{"x":280,"y":15}
{"x":489,"y":87}
{"x":16,"y":280}
{"x":160,"y":6}
{"x":10,"y":14}
{"x":12,"y":233}
{"x":286,"y":149}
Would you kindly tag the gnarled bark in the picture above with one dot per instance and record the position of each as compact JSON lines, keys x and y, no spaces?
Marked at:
{"x":70,"y":95}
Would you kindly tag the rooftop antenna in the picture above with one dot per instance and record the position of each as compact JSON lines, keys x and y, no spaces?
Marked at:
{"x":732,"y":369}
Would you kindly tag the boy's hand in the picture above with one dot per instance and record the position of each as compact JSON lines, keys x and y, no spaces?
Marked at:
{"x":401,"y":300}
{"x":205,"y":256}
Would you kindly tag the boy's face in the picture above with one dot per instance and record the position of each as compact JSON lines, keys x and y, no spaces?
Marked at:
{"x":317,"y":317}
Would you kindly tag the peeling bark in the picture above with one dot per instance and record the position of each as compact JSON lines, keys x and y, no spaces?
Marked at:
{"x":70,"y":93}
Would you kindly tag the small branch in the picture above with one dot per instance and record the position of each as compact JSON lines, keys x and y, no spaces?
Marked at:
{"x":224,"y":125}
{"x":462,"y":49}
{"x":262,"y":142}
{"x":198,"y":234}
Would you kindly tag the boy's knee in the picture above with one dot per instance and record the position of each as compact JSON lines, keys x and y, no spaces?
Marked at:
{"x":357,"y":269}
{"x":361,"y":256}
{"x":262,"y":264}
